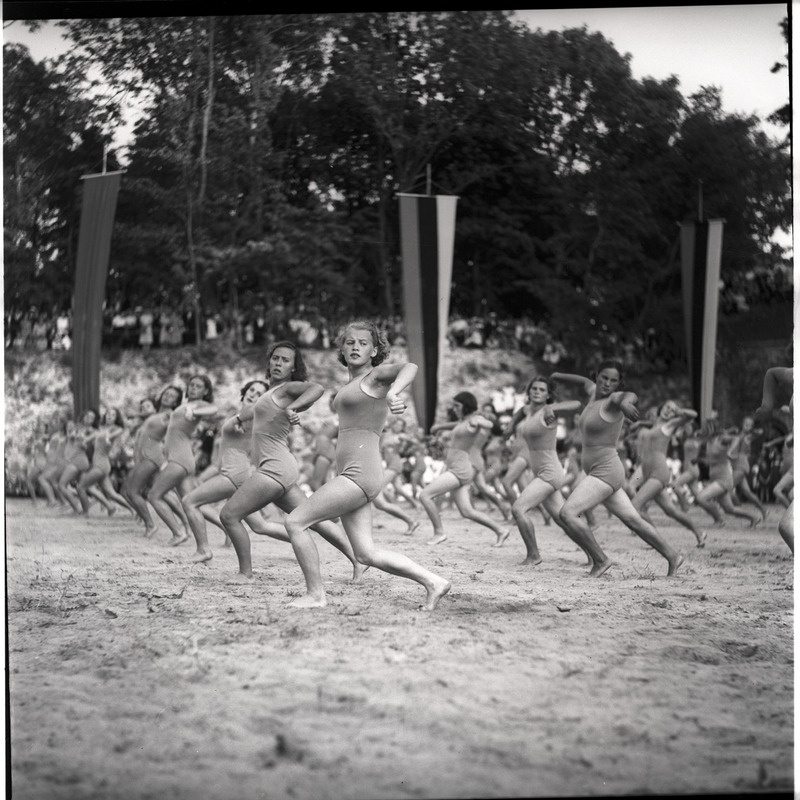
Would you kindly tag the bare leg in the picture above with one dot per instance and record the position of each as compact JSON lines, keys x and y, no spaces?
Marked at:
{"x":256,"y":492}
{"x":586,"y":495}
{"x":327,"y":529}
{"x":382,"y":504}
{"x":211,"y":491}
{"x":341,"y":497}
{"x":706,"y":500}
{"x":446,"y":482}
{"x":165,"y":481}
{"x":461,"y":498}
{"x":322,"y":466}
{"x":135,"y":485}
{"x":513,"y":474}
{"x":786,"y":527}
{"x":70,"y":473}
{"x":45,"y":482}
{"x":112,"y":494}
{"x":729,"y":508}
{"x":620,"y":505}
{"x":749,"y":495}
{"x":674,"y":511}
{"x":488,"y":493}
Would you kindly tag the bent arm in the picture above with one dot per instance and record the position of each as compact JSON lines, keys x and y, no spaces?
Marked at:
{"x":566,"y":377}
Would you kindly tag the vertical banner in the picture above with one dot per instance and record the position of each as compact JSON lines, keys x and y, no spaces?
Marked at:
{"x":427,"y":233}
{"x":701,"y":252}
{"x":94,"y":246}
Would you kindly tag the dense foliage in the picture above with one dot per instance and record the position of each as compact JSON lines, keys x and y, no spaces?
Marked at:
{"x":269,"y":151}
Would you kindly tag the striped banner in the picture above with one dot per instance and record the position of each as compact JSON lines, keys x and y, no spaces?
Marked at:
{"x":427,"y":233}
{"x":94,"y":246}
{"x":701,"y":251}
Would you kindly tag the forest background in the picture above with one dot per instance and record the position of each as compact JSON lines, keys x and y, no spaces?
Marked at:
{"x":268,"y":152}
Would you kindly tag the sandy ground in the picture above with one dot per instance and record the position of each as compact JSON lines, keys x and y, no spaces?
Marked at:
{"x":135,"y":674}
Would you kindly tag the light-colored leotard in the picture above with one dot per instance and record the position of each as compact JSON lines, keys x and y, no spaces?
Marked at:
{"x":234,"y":451}
{"x":652,"y":447}
{"x":457,"y":459}
{"x":361,"y":421}
{"x":719,"y":465}
{"x":599,"y":457}
{"x":102,"y":447}
{"x":540,"y":439}
{"x":178,"y":443}
{"x":150,"y":439}
{"x":270,"y":442}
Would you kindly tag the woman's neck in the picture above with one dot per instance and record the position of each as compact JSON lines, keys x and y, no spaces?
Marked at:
{"x":360,"y":371}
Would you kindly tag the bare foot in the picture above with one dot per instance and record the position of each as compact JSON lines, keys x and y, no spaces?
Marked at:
{"x":701,"y":539}
{"x":501,"y":537}
{"x":436,"y":592}
{"x":674,"y":564}
{"x":754,"y":523}
{"x":148,"y":532}
{"x":175,"y":541}
{"x":199,"y":557}
{"x":719,"y":523}
{"x":411,"y":528}
{"x":358,"y":572}
{"x":111,"y":511}
{"x":438,"y":539}
{"x":308,"y":601}
{"x":532,"y":561}
{"x":598,"y":569}
{"x":241,"y":577}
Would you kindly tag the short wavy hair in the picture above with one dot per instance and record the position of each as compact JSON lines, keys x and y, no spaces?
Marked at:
{"x":379,"y":340}
{"x":300,"y":371}
{"x":243,"y":390}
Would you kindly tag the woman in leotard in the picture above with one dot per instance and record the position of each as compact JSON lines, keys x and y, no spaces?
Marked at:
{"x":773,"y":378}
{"x":362,"y":406}
{"x":55,"y":463}
{"x":717,"y":491}
{"x":274,"y":479}
{"x":460,"y":469}
{"x":76,"y":454}
{"x":148,"y":455}
{"x":535,"y":425}
{"x":390,"y":445}
{"x":517,"y":475}
{"x":652,"y":445}
{"x":740,"y":463}
{"x":36,"y":462}
{"x":235,"y":467}
{"x":600,"y":426}
{"x":99,"y":474}
{"x":480,"y":484}
{"x":690,"y":469}
{"x":180,"y":459}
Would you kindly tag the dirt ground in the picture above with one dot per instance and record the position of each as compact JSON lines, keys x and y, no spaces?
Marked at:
{"x":135,"y":674}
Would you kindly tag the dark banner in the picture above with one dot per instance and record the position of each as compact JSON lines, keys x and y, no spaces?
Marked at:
{"x":94,"y":246}
{"x":427,"y":232}
{"x":701,"y":252}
